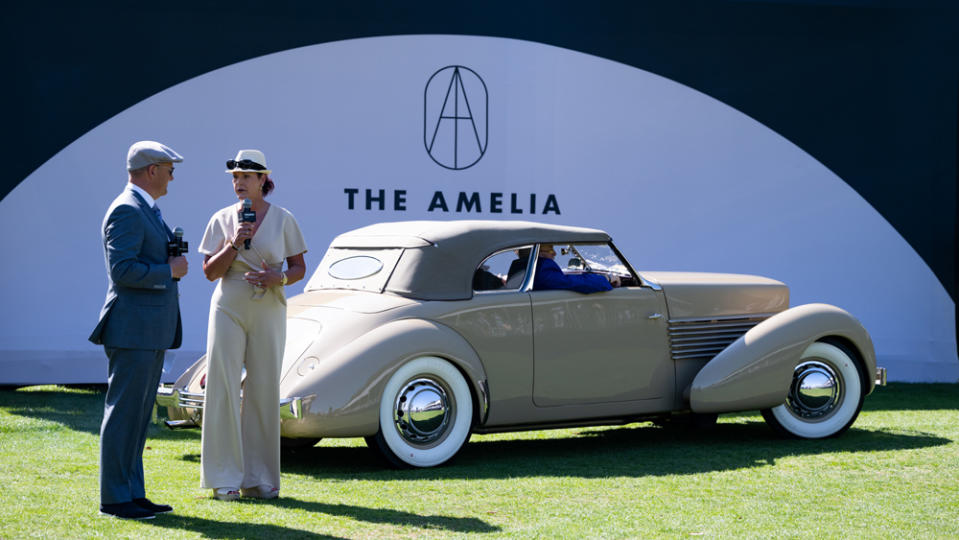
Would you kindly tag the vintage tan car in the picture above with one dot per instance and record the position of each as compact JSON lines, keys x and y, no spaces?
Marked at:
{"x":416,"y":334}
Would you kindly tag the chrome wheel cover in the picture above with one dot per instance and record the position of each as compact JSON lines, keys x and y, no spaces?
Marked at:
{"x":422,"y":411}
{"x":816,"y":391}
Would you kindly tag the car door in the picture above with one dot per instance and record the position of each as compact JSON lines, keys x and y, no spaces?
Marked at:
{"x":601,"y":347}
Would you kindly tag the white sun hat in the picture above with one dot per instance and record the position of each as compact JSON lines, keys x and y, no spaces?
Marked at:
{"x":248,"y":161}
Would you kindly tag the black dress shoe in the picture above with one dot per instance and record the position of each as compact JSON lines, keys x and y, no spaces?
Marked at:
{"x":127,"y":510}
{"x":146,"y":504}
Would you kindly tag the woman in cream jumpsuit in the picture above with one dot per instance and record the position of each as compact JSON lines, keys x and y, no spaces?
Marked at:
{"x":247,"y":328}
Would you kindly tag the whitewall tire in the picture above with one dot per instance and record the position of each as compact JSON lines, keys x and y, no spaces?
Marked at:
{"x":426,"y":414}
{"x":825,"y":395}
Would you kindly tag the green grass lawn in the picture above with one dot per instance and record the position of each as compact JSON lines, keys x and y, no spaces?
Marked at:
{"x":895,"y":474}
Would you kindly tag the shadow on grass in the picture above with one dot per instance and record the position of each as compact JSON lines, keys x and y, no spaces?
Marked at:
{"x":77,"y":408}
{"x":226,"y":529}
{"x":221,"y":529}
{"x":633,"y":451}
{"x":913,"y":397}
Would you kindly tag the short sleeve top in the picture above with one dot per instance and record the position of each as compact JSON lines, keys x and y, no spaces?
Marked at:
{"x":277,"y":238}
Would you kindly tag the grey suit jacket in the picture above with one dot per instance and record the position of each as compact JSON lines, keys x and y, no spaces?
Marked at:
{"x":142,"y":309}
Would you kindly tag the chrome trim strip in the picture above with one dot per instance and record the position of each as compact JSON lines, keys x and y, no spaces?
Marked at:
{"x":167,"y":396}
{"x":180,"y":424}
{"x":291,"y":408}
{"x":757,"y":316}
{"x":484,"y":400}
{"x":527,"y":285}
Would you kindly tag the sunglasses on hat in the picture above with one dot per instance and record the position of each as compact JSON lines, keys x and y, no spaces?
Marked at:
{"x":244,"y":164}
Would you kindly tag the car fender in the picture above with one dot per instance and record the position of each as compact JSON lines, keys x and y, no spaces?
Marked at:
{"x":755,"y":371}
{"x":342,"y":394}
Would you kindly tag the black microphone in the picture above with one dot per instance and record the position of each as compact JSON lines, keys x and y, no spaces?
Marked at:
{"x":178,"y":246}
{"x":247,"y":216}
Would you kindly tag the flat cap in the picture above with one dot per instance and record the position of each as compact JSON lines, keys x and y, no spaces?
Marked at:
{"x":145,"y":153}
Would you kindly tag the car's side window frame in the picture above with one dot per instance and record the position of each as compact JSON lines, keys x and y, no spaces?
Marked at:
{"x":526,"y":278}
{"x":639,"y":279}
{"x":643,"y":282}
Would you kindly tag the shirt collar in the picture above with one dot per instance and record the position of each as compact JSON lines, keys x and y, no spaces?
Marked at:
{"x":146,"y":196}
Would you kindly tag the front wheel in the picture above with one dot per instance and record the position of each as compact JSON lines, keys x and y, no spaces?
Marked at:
{"x":426,"y":412}
{"x":825,"y":395}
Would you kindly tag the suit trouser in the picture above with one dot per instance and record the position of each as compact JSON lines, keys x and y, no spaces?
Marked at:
{"x":131,"y":391}
{"x":241,"y":442}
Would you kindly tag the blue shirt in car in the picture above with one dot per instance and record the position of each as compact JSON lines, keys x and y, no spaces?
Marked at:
{"x":549,"y":276}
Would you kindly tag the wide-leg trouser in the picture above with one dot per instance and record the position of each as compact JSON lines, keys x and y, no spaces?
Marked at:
{"x":131,"y":390}
{"x":241,"y":441}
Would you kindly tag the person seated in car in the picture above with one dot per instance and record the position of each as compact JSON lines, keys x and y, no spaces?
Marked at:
{"x":484,"y":280}
{"x":549,"y":276}
{"x":517,"y":268}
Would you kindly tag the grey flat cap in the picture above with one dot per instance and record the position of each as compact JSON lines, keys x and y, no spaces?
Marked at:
{"x":145,"y":153}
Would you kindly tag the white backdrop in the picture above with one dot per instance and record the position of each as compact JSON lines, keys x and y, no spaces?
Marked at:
{"x":680,"y":180}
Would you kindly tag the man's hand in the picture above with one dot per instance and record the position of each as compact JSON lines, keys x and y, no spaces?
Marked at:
{"x":178,"y":266}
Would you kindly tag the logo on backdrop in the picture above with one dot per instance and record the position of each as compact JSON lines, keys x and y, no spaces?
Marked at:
{"x":455,"y":133}
{"x":455,"y":116}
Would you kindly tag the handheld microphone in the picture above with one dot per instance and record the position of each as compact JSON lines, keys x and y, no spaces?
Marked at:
{"x":178,"y":246}
{"x":247,"y":216}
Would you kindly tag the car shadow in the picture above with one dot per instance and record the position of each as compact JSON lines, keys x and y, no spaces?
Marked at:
{"x":633,"y":450}
{"x":636,"y":450}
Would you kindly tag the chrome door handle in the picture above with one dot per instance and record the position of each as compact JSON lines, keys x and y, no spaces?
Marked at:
{"x":655,"y":316}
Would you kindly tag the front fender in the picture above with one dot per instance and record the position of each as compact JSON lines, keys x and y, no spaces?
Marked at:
{"x":343,"y":391}
{"x":755,"y":371}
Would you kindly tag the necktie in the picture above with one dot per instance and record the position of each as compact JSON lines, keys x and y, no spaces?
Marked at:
{"x":156,"y":210}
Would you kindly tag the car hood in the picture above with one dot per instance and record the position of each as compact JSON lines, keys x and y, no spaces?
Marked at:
{"x":700,"y":295}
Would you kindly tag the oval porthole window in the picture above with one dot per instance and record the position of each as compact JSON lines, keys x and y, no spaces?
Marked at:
{"x":357,"y":267}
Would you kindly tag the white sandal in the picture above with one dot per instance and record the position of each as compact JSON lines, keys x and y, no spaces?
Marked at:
{"x":261,"y":492}
{"x":226,"y":494}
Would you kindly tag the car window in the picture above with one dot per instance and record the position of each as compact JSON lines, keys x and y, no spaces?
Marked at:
{"x":353,"y":268}
{"x":503,"y":270}
{"x":597,"y":258}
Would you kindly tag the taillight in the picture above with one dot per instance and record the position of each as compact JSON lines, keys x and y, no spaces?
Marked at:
{"x":203,"y":382}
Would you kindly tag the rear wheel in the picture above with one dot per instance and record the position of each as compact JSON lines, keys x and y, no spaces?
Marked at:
{"x":426,"y":412}
{"x":825,"y":395}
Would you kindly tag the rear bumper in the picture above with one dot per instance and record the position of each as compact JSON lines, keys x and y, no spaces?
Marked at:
{"x":192,"y":405}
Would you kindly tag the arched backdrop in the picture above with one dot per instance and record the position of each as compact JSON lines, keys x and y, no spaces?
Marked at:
{"x":353,"y":129}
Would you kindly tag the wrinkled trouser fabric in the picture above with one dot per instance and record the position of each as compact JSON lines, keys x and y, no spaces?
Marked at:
{"x":131,"y":390}
{"x":241,"y":442}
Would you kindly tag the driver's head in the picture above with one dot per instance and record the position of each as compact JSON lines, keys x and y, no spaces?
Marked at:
{"x":546,"y":250}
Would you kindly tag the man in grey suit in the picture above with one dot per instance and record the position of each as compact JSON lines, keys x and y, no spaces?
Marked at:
{"x":139,"y":321}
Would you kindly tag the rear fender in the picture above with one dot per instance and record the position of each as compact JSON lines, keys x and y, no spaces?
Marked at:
{"x":755,"y":371}
{"x":343,"y":392}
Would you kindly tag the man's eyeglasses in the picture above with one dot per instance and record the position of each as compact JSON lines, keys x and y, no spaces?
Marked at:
{"x":244,"y":164}
{"x":171,"y":167}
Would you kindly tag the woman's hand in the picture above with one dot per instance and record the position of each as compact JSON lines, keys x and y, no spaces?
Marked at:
{"x":265,"y":278}
{"x":245,"y":232}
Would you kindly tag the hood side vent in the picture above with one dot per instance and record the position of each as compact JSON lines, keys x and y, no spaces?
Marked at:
{"x":702,"y":339}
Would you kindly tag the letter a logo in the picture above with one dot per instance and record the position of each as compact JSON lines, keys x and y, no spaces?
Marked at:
{"x":455,"y":117}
